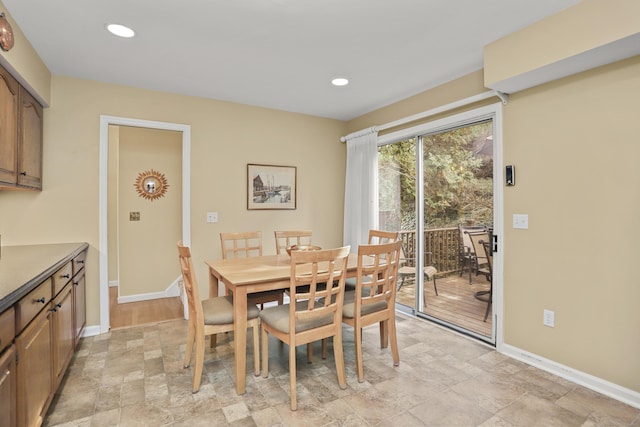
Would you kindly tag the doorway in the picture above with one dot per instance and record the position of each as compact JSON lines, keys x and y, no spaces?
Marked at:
{"x":105,"y":122}
{"x":435,"y":180}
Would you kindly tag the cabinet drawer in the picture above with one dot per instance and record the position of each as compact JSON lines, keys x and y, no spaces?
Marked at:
{"x":62,"y":277}
{"x":7,"y":328}
{"x":28,"y":307}
{"x":78,"y":262}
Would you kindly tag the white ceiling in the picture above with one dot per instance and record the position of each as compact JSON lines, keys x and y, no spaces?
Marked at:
{"x":278,"y":54}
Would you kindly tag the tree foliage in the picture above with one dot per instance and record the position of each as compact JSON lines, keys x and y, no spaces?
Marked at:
{"x":458,"y":179}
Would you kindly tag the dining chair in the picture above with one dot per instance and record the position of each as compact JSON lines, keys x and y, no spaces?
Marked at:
{"x":488,"y":251}
{"x":287,"y":238}
{"x":210,"y":317}
{"x":375,"y":237}
{"x":310,"y":316}
{"x":245,"y":245}
{"x":468,"y":257}
{"x":373,"y":300}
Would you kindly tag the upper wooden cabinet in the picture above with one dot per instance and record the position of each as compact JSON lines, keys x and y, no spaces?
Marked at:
{"x":8,"y":128}
{"x":21,"y":119}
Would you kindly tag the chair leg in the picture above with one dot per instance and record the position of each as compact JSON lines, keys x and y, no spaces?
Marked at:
{"x":486,"y":314}
{"x":394,"y":340}
{"x":357,"y":338}
{"x":255,"y":333}
{"x":265,"y":353}
{"x":384,"y":334}
{"x":309,"y":352}
{"x":435,"y":287}
{"x":292,"y":375}
{"x":338,"y":354}
{"x":324,"y":348}
{"x":197,"y":371}
{"x":190,"y":340}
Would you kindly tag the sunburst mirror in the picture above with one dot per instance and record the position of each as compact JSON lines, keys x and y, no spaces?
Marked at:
{"x":151,"y":185}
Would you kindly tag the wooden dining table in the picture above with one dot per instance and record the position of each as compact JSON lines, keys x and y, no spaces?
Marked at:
{"x":243,"y":276}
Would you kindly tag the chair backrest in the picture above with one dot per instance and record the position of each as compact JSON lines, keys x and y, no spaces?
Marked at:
{"x":465,"y":241}
{"x":476,"y":246}
{"x":489,"y":254}
{"x":241,"y":245}
{"x":287,"y":238}
{"x":377,"y":237}
{"x":190,"y":284}
{"x":377,"y":275}
{"x":317,"y":286}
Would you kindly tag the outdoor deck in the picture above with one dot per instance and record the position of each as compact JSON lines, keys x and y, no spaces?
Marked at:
{"x":455,"y":303}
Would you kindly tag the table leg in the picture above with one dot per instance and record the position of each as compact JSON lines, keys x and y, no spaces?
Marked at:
{"x":240,"y":336}
{"x":213,"y":284}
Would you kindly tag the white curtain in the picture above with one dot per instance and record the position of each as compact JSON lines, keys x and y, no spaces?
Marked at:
{"x":361,"y":188}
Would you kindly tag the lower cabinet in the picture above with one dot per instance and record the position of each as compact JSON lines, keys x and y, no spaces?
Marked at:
{"x":63,"y":332}
{"x":8,"y":385}
{"x":79,"y":301}
{"x":35,"y":370}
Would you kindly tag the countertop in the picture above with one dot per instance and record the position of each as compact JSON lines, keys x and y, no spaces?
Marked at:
{"x":22,"y":268}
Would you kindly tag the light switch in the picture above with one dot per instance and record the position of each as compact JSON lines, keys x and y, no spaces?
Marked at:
{"x":521,"y":221}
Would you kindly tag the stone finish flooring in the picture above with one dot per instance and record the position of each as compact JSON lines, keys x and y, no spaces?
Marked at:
{"x":134,"y":377}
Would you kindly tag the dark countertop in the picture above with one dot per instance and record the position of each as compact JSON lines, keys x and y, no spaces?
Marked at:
{"x":22,"y":268}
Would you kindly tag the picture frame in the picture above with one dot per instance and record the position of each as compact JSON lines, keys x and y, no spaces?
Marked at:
{"x":271,"y":187}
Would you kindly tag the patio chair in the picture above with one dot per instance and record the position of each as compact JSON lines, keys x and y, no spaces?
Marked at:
{"x":489,"y":254}
{"x":468,"y":258}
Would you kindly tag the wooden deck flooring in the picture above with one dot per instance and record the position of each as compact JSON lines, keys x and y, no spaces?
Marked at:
{"x":455,"y":303}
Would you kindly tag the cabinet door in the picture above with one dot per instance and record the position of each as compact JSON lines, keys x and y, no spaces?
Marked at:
{"x":35,"y":382}
{"x":8,"y":388}
{"x":8,"y":128}
{"x":29,"y":141}
{"x":80,"y":311}
{"x":63,"y":333}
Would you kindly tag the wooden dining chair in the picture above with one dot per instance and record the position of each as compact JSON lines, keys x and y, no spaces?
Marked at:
{"x":245,"y":245}
{"x":287,"y":238}
{"x":373,"y":300}
{"x":377,"y":237}
{"x":210,"y":317}
{"x":310,"y":316}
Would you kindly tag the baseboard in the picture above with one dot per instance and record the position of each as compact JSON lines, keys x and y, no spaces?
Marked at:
{"x":90,"y":331}
{"x":173,"y":290}
{"x":625,"y":395}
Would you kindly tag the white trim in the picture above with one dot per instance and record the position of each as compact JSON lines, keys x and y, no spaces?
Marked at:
{"x":624,"y":395}
{"x":114,"y":283}
{"x":103,"y":247}
{"x":428,"y":113}
{"x":90,"y":331}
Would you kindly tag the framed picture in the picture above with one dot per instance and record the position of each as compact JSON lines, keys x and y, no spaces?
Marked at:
{"x":271,"y":187}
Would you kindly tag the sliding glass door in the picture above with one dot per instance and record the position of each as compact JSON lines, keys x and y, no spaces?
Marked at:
{"x":436,"y":188}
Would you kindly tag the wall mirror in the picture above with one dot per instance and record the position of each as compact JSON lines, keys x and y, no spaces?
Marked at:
{"x":151,"y":185}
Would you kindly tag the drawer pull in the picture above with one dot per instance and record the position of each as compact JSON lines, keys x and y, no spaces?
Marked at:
{"x":80,"y":261}
{"x":42,"y":300}
{"x":23,"y":173}
{"x":65,"y":276}
{"x":76,"y":283}
{"x":56,"y":307}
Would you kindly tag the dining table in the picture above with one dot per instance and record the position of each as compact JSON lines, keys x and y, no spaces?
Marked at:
{"x":244,"y":276}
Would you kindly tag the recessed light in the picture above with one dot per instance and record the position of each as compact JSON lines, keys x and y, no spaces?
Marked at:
{"x":340,"y":81}
{"x":120,"y":30}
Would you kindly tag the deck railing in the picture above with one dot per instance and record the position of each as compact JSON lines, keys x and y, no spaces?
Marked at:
{"x":442,"y":248}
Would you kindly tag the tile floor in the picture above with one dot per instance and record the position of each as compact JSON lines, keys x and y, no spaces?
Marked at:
{"x":134,"y":377}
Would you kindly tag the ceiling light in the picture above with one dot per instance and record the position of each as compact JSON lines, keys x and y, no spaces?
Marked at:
{"x":120,"y":30}
{"x":340,"y":81}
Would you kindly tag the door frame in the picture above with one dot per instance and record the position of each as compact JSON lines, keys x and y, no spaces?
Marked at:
{"x":494,"y":112}
{"x":105,"y":121}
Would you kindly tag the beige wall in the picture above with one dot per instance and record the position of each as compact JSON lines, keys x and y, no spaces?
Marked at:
{"x":146,"y":248}
{"x":224,"y":138}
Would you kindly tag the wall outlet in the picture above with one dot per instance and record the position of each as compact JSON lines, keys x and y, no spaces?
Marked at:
{"x":521,"y":221}
{"x":549,"y":318}
{"x":212,"y":216}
